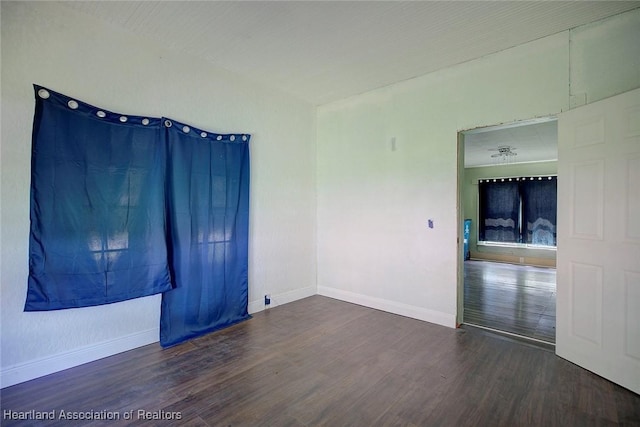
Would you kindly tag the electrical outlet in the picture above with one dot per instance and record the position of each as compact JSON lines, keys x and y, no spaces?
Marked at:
{"x":267,"y":299}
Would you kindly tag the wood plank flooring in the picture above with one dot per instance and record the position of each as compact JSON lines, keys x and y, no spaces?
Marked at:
{"x":512,"y":298}
{"x":323,"y":362}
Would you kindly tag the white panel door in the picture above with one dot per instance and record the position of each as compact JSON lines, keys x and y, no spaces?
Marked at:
{"x":598,"y":265}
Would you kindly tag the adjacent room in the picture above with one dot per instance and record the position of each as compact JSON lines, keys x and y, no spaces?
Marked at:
{"x":253,"y":213}
{"x":510,"y":207}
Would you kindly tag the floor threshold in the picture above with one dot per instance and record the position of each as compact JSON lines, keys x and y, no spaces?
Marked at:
{"x":514,"y":337}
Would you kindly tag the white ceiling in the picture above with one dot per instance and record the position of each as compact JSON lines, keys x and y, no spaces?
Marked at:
{"x":532,"y":143}
{"x":323,"y":51}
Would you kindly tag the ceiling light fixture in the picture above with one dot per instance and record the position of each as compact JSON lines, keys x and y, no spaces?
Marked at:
{"x":504,"y":154}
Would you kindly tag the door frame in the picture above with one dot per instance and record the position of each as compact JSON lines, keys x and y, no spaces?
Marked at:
{"x":460,"y":199}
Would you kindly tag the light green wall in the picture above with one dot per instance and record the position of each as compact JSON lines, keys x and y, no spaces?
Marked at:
{"x":470,"y":203}
{"x":374,"y":246}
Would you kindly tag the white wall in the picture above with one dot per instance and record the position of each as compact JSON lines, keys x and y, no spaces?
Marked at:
{"x":74,"y":54}
{"x":605,"y":57}
{"x":374,"y":246}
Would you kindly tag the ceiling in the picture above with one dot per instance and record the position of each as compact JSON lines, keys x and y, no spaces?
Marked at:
{"x":322,"y":51}
{"x":535,"y":142}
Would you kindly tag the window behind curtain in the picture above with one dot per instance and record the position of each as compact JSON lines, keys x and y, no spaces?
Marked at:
{"x":208,"y":214}
{"x":97,"y":206}
{"x":518,"y":210}
{"x":499,"y":211}
{"x":539,"y":202}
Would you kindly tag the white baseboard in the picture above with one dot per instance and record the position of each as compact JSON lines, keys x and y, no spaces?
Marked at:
{"x":48,"y":365}
{"x":406,"y":310}
{"x":283,"y":298}
{"x":40,"y":367}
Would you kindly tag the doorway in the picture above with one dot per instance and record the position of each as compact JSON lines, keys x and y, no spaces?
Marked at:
{"x":507,"y":277}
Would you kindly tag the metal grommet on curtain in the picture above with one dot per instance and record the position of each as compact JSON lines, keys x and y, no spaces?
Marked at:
{"x":203,"y":134}
{"x":232,"y":137}
{"x":167,"y":123}
{"x":219,"y":138}
{"x":186,"y":129}
{"x":145,"y":121}
{"x":43,"y":93}
{"x":244,"y":137}
{"x":72,"y":104}
{"x":101,"y":114}
{"x":123,"y":119}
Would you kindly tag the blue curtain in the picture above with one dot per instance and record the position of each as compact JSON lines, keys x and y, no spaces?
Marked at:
{"x":539,"y":201}
{"x":208,"y":215}
{"x":97,"y":231}
{"x":499,"y":206}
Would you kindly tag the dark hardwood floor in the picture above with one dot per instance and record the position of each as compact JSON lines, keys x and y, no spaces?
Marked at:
{"x":323,"y":362}
{"x":512,"y":298}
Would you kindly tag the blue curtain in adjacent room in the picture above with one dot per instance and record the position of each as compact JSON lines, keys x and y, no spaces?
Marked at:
{"x":499,"y":205}
{"x":208,"y":215}
{"x":97,"y":231}
{"x":539,"y":201}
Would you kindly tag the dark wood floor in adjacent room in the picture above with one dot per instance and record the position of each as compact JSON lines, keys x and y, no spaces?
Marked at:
{"x":323,"y":362}
{"x":518,"y":299}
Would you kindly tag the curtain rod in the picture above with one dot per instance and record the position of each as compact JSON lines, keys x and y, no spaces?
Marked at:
{"x":519,"y":178}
